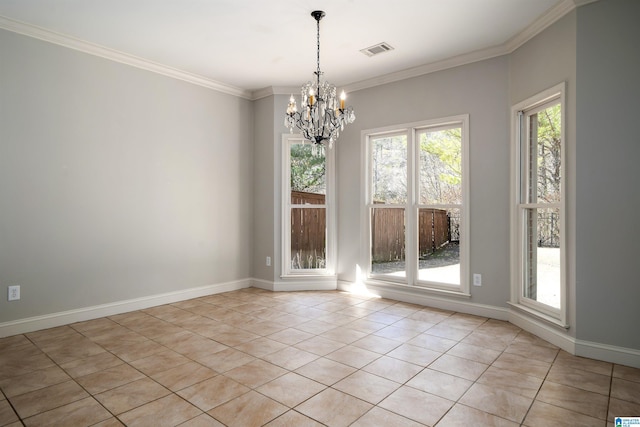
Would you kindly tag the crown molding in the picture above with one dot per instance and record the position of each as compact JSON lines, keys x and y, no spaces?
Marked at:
{"x":263,"y":93}
{"x":540,"y":24}
{"x":535,"y":28}
{"x":432,"y":67}
{"x":117,"y":56}
{"x":275,"y":90}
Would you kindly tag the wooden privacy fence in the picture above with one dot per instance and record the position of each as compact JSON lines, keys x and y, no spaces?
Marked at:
{"x":435,"y":230}
{"x":302,"y":198}
{"x":388,"y":233}
{"x":308,"y":231}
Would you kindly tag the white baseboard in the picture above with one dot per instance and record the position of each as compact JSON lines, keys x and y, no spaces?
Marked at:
{"x":311,"y":284}
{"x":590,"y":349}
{"x":420,"y":297}
{"x":52,"y":320}
{"x":547,"y":332}
{"x":262,"y":284}
{"x":608,"y":353}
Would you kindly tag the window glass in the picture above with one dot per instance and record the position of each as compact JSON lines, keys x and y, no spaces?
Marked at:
{"x":389,"y":169}
{"x":306,"y":244}
{"x":440,"y":179}
{"x":308,"y":238}
{"x":439,"y":245}
{"x":388,"y":241}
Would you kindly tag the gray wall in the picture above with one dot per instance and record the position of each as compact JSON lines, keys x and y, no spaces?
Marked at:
{"x":543,"y":62}
{"x":608,"y":175}
{"x":116,"y":183}
{"x":279,"y":107}
{"x":269,"y":130}
{"x":264,"y":214}
{"x":478,"y":89}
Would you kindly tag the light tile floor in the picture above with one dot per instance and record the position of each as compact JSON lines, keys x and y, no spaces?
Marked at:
{"x":253,"y":357}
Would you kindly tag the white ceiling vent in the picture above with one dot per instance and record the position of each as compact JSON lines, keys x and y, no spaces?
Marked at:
{"x":377,"y":49}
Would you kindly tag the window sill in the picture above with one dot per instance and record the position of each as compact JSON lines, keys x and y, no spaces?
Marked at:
{"x":391,"y":285}
{"x":311,"y":275}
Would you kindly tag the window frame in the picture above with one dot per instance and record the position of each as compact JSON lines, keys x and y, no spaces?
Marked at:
{"x":412,"y":206}
{"x":370,"y":206}
{"x":520,"y":204}
{"x":287,"y":206}
{"x":463,"y":123}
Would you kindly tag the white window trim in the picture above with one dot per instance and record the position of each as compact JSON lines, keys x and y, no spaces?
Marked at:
{"x":329,"y":270}
{"x":406,"y":206}
{"x":542,"y":311}
{"x":411,"y":280}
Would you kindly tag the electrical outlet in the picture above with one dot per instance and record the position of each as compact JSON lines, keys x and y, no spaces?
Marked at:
{"x":14,"y":293}
{"x":477,"y":279}
{"x":268,"y":261}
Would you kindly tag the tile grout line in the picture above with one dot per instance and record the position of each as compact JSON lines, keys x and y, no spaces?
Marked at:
{"x":613,"y":367}
{"x":117,"y":416}
{"x":35,"y":344}
{"x":12,"y":407}
{"x":539,"y":388}
{"x":473,"y":383}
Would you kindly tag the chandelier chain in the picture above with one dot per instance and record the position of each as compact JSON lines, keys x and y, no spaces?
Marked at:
{"x":318,"y":57}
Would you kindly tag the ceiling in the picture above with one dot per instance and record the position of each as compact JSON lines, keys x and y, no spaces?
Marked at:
{"x":249,"y":45}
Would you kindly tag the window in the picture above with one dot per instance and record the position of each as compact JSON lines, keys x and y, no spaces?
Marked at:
{"x":440,"y":198}
{"x":416,"y":205}
{"x":539,"y":205}
{"x":306,"y":186}
{"x":389,"y":203}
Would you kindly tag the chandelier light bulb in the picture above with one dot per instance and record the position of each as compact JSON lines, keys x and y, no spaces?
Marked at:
{"x":292,"y":107}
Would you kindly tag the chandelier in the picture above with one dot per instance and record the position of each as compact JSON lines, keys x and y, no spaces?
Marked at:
{"x":323,"y":116}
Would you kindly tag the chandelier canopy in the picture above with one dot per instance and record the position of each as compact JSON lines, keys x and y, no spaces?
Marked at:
{"x":323,"y":116}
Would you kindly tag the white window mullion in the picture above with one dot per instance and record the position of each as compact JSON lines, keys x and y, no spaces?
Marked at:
{"x":411,"y":219}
